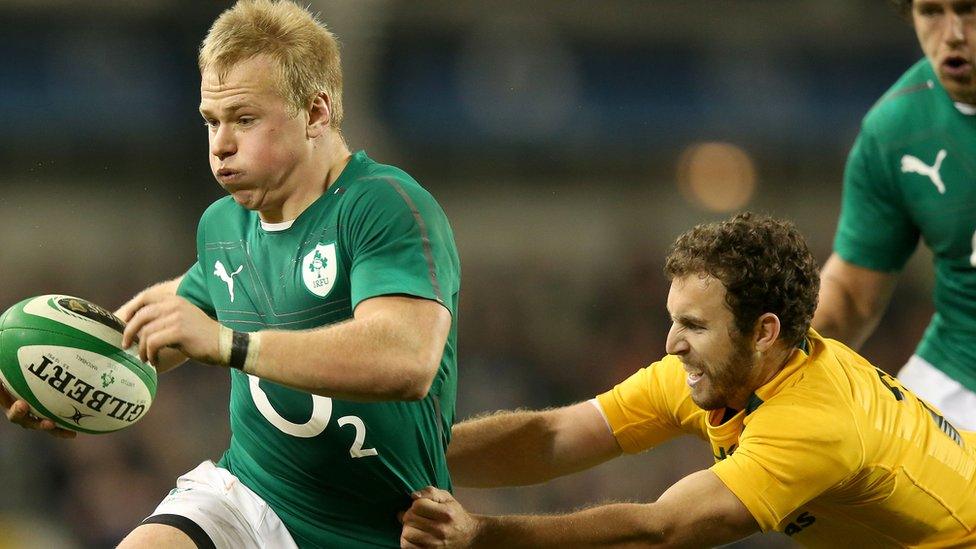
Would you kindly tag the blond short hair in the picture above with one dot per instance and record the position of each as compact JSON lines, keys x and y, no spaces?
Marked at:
{"x":305,"y":52}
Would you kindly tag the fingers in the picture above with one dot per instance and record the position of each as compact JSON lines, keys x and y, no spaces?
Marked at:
{"x":430,"y":510}
{"x":55,"y":431}
{"x":412,"y":537}
{"x":432,"y":520}
{"x":432,"y":503}
{"x":139,"y":316}
{"x":154,"y":335}
{"x":160,"y":336}
{"x":433,"y":493}
{"x":418,"y":521}
{"x":421,"y":532}
{"x":19,"y":413}
{"x":172,"y":322}
{"x":141,"y":310}
{"x":126,"y":311}
{"x":150,"y":318}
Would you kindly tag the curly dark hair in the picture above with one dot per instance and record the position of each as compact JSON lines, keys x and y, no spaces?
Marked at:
{"x":763,"y":262}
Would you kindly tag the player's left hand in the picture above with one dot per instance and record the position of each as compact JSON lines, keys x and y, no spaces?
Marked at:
{"x":436,"y":519}
{"x":162,"y":321}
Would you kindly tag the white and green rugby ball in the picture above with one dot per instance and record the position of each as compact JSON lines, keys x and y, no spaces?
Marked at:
{"x":64,"y":356}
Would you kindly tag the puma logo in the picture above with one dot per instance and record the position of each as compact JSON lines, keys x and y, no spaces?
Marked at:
{"x":910,"y":164}
{"x":221,"y":273}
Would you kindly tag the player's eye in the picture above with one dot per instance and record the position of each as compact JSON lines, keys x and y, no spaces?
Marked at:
{"x":929,"y":10}
{"x":210,"y":123}
{"x":245,"y":120}
{"x":690,"y":326}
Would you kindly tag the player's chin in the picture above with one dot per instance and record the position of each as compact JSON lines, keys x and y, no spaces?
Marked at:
{"x":704,"y":398}
{"x":960,"y":87}
{"x":246,"y":198}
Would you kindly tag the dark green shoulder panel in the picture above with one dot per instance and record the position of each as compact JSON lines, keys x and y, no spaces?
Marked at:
{"x":908,"y":99}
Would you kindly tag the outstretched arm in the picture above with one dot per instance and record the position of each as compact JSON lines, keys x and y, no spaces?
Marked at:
{"x":852,"y":300}
{"x":390,"y":349}
{"x":697,"y":511}
{"x":526,"y":447}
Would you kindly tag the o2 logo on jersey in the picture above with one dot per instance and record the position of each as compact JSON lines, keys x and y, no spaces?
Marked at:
{"x":319,"y":269}
{"x":316,"y":424}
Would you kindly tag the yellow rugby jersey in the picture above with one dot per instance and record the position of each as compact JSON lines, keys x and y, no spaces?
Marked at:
{"x":830,"y":451}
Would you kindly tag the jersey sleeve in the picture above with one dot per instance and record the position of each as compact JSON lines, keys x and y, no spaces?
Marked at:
{"x":650,"y":407}
{"x":400,"y":243}
{"x":788,"y":454}
{"x":193,"y":288}
{"x":875,"y":230}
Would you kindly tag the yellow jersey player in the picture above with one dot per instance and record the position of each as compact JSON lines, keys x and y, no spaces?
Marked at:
{"x":809,"y":438}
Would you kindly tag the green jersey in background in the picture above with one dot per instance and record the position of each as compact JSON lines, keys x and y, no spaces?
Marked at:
{"x":911,"y":174}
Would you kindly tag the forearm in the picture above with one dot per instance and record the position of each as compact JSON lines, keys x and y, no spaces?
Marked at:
{"x":373,"y":359}
{"x":852,"y":300}
{"x":697,"y":511}
{"x":522,"y":447}
{"x":838,"y":317}
{"x":618,"y":525}
{"x":694,"y":518}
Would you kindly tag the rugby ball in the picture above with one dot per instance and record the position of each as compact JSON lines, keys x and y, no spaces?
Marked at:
{"x":64,"y":356}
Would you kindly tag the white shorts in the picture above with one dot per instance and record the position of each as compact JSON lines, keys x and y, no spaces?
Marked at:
{"x":957,"y":403}
{"x":231,"y":514}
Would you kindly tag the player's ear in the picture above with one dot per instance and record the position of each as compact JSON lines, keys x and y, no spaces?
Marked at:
{"x":766,"y":332}
{"x":319,"y":115}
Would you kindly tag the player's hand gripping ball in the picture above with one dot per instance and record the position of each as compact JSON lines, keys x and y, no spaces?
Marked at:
{"x":64,"y":356}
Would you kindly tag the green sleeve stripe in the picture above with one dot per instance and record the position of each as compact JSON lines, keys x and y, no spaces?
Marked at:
{"x":424,"y":236}
{"x":927,"y":85}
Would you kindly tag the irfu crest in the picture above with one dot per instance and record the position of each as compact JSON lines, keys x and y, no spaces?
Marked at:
{"x":107,"y":379}
{"x":319,"y":269}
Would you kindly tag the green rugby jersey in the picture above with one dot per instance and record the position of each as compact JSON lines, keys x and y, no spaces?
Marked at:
{"x":335,"y":471}
{"x":911,"y":174}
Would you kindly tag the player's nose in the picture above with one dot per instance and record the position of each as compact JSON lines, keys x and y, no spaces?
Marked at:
{"x":222,"y":142}
{"x":955,"y":31}
{"x":676,"y":344}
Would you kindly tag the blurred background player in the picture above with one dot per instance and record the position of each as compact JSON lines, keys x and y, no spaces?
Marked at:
{"x":912,"y":174}
{"x":335,"y":282}
{"x":808,"y":438}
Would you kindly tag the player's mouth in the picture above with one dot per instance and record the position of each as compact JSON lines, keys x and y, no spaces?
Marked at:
{"x":956,"y":67}
{"x":227,"y":175}
{"x":693,"y":375}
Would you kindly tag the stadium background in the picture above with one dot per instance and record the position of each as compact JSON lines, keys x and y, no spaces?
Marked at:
{"x":569,"y":142}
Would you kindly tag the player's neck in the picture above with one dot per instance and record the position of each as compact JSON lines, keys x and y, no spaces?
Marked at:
{"x":772,"y":363}
{"x":336,"y":156}
{"x":311,"y":178}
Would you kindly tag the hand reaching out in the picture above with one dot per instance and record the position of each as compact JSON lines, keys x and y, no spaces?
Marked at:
{"x":436,"y":519}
